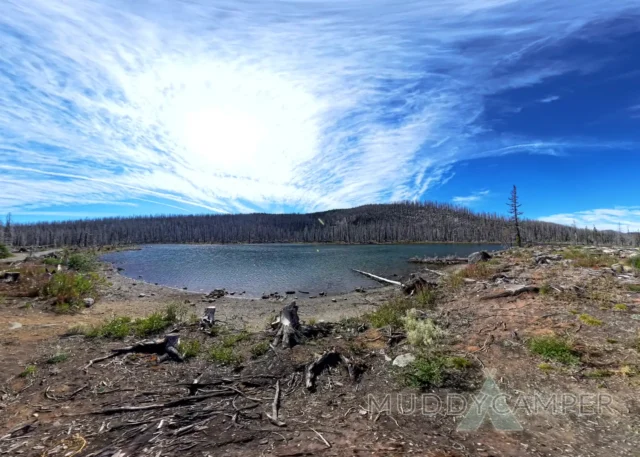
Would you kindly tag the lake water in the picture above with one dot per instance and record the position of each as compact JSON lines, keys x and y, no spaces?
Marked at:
{"x":259,"y":268}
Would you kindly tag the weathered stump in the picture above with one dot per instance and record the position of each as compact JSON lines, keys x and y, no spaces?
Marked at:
{"x":208,"y":319}
{"x":288,"y":326}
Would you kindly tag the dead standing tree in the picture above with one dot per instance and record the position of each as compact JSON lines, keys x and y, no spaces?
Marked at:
{"x":514,"y":211}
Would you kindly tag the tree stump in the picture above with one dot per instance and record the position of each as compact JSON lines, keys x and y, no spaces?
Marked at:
{"x":288,"y":326}
{"x":208,"y":319}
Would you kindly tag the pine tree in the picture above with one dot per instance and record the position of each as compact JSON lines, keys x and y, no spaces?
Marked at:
{"x":514,"y":210}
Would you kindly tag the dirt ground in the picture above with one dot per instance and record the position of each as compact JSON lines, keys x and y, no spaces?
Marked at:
{"x":132,"y":405}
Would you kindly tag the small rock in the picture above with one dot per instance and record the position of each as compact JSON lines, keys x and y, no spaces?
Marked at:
{"x":334,"y":300}
{"x":15,"y":325}
{"x":142,"y":295}
{"x":184,"y":288}
{"x":290,"y":292}
{"x":322,"y":294}
{"x":360,"y":289}
{"x":403,"y":360}
{"x":88,"y":302}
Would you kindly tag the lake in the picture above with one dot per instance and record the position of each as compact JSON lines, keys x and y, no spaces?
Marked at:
{"x":259,"y":268}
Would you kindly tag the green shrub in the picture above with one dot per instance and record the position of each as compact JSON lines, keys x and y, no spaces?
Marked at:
{"x":84,"y":262}
{"x":175,"y":312}
{"x":233,"y":339}
{"x":150,"y":325}
{"x":545,"y":289}
{"x":58,"y":357}
{"x":4,"y":252}
{"x":590,"y":320}
{"x":633,"y":287}
{"x":71,"y":288}
{"x":427,"y":297}
{"x":52,"y":261}
{"x":421,"y":332}
{"x":259,"y":349}
{"x":224,"y":355}
{"x":635,"y":262}
{"x":554,"y":349}
{"x":586,"y":259}
{"x":620,"y":307}
{"x":29,"y":371}
{"x":389,"y":314}
{"x":434,"y":371}
{"x":117,"y":327}
{"x":189,"y":348}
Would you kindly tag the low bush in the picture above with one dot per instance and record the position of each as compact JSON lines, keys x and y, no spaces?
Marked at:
{"x":435,"y":371}
{"x":477,"y":271}
{"x":554,"y":349}
{"x":589,"y":320}
{"x":4,"y":252}
{"x":259,"y":349}
{"x":422,"y":333}
{"x":588,"y":259}
{"x":224,"y":355}
{"x":427,"y":297}
{"x":84,"y":262}
{"x":58,"y":357}
{"x":69,"y":289}
{"x":117,"y":328}
{"x":635,"y":262}
{"x":150,"y":325}
{"x":389,"y":314}
{"x":29,"y":371}
{"x":599,"y":373}
{"x":189,"y":348}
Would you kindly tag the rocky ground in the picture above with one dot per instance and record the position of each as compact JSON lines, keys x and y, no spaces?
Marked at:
{"x":557,"y":326}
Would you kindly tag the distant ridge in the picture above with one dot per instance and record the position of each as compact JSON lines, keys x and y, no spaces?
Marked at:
{"x":379,"y":223}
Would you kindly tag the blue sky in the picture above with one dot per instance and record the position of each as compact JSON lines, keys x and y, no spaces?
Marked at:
{"x":154,"y":107}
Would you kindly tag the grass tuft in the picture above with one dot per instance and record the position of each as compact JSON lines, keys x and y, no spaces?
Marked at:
{"x":189,"y":348}
{"x":599,"y":374}
{"x":589,"y":320}
{"x":633,"y":287}
{"x":620,"y":307}
{"x":224,"y":355}
{"x":390,"y":314}
{"x":635,"y":262}
{"x":58,"y":357}
{"x":259,"y":349}
{"x":554,"y":349}
{"x":29,"y":371}
{"x":434,"y":371}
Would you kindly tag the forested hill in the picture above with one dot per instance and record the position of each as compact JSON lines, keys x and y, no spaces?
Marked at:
{"x":383,"y":223}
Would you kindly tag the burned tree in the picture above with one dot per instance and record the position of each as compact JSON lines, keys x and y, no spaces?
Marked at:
{"x":514,"y":212}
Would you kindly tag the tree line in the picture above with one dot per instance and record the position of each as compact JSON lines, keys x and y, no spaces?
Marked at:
{"x":379,"y":223}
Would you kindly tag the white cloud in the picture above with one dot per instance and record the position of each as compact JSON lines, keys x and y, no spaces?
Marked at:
{"x":549,"y":99}
{"x":304,"y":103}
{"x":470,"y":199}
{"x":602,"y":219}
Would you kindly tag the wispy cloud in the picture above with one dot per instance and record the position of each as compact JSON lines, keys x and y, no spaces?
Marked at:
{"x":602,"y":219}
{"x":549,"y":99}
{"x":302,"y":103}
{"x":470,"y":199}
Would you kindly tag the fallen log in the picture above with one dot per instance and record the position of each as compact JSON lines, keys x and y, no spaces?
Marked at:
{"x":378,"y":278}
{"x":165,"y":347}
{"x":512,"y":292}
{"x":288,"y":327}
{"x":449,"y":260}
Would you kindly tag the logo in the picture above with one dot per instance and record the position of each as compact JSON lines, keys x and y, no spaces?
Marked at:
{"x":490,"y":404}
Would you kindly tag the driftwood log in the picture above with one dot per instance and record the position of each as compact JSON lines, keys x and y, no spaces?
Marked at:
{"x":512,"y":292}
{"x":378,"y":278}
{"x":449,"y":260}
{"x":288,"y":325}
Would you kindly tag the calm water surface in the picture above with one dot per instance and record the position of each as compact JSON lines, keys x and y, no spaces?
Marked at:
{"x":259,"y":268}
